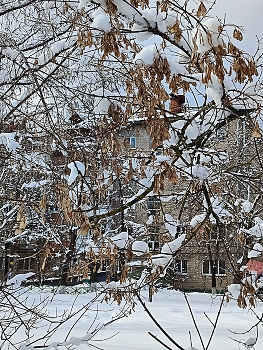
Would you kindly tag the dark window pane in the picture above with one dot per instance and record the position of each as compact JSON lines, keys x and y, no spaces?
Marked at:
{"x":184,"y":266}
{"x":222,"y":267}
{"x":180,"y":266}
{"x":177,"y":266}
{"x":2,"y":263}
{"x":206,"y":267}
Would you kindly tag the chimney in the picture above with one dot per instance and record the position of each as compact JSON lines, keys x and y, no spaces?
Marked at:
{"x":176,"y":103}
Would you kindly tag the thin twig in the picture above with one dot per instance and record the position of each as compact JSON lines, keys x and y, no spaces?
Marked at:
{"x":193,"y":318}
{"x":190,"y":336}
{"x":216,"y":321}
{"x":209,"y":319}
{"x":157,"y":324}
{"x":155,"y":337}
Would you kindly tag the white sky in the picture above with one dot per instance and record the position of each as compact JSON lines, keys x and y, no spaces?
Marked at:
{"x":246,"y":13}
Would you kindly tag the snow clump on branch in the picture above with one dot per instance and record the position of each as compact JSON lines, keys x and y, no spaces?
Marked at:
{"x":76,"y":167}
{"x":101,"y":21}
{"x":166,"y":256}
{"x":8,"y":140}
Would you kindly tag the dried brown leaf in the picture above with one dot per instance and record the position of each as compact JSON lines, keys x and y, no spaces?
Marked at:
{"x":43,"y":203}
{"x":237,"y":34}
{"x":256,"y":131}
{"x":201,"y":12}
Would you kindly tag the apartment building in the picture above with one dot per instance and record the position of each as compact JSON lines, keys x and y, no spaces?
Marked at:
{"x":204,"y":257}
{"x":209,"y":258}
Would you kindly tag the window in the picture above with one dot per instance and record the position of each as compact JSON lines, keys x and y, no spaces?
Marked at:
{"x":153,"y":205}
{"x":180,"y":267}
{"x":153,"y":240}
{"x":221,"y":134}
{"x":241,"y":132}
{"x":131,"y":141}
{"x":212,"y":235}
{"x":153,"y":245}
{"x":219,"y":265}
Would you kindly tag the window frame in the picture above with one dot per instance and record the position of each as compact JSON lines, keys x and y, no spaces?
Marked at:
{"x":211,"y":236}
{"x":221,"y":134}
{"x":132,"y":141}
{"x":153,"y":245}
{"x":183,"y":266}
{"x":221,"y":266}
{"x":153,"y":206}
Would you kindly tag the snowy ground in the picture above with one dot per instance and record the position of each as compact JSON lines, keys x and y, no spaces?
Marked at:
{"x":170,"y":310}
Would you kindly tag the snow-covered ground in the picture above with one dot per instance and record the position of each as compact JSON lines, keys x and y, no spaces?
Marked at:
{"x":170,"y":310}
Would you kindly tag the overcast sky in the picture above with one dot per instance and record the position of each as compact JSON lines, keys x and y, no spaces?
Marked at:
{"x":246,"y":13}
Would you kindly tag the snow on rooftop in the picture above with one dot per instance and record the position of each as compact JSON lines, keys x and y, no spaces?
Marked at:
{"x":18,"y":279}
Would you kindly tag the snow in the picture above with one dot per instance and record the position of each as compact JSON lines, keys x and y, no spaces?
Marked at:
{"x":200,"y":37}
{"x":8,"y":140}
{"x":173,"y":246}
{"x":90,"y":245}
{"x":215,"y":91}
{"x":150,"y":220}
{"x":10,"y":52}
{"x":234,"y":290}
{"x":141,"y":33}
{"x":257,"y":229}
{"x":139,"y":248}
{"x":120,"y":239}
{"x":18,"y":279}
{"x":75,"y":167}
{"x":147,"y":56}
{"x":197,"y":219}
{"x":83,"y":3}
{"x":164,"y":258}
{"x":170,"y":224}
{"x":34,"y":184}
{"x":131,"y":333}
{"x":101,"y":21}
{"x":176,"y":67}
{"x":256,"y":251}
{"x":200,"y":172}
{"x":247,"y":206}
{"x":59,"y":46}
{"x":101,"y":102}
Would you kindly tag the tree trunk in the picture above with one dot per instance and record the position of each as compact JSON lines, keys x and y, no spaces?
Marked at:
{"x":213,"y":269}
{"x":7,"y":251}
{"x":69,"y":256}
